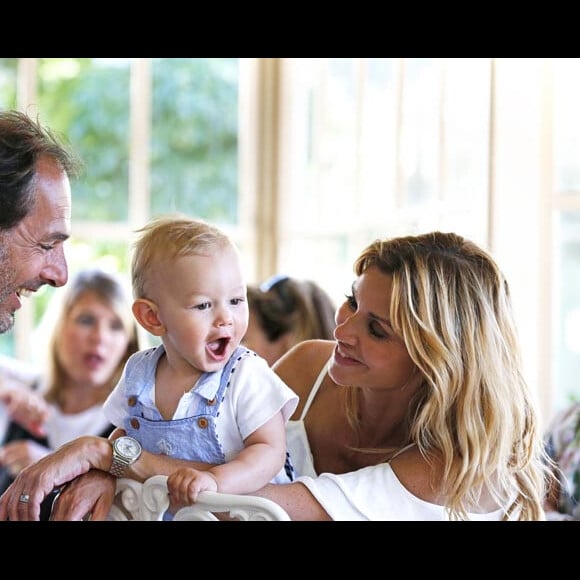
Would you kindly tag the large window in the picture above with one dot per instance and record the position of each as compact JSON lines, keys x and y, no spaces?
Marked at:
{"x":565,"y":200}
{"x":380,"y":147}
{"x":484,"y":147}
{"x":305,"y":161}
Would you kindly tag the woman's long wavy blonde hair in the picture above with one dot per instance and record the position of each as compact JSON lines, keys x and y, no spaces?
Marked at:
{"x":451,"y":306}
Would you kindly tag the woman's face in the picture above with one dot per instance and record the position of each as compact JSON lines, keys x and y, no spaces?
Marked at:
{"x":368,"y":354}
{"x":92,"y":342}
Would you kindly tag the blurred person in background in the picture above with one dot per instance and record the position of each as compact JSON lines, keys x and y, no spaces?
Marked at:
{"x":562,"y":440}
{"x":285,"y":311}
{"x":93,"y":335}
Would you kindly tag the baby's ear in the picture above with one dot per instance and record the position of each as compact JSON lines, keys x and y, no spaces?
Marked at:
{"x":145,"y":313}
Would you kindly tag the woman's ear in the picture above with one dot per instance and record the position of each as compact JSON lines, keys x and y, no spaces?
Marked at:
{"x":145,"y":313}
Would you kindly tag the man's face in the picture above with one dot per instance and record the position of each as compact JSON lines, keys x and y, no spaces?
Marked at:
{"x":32,"y":253}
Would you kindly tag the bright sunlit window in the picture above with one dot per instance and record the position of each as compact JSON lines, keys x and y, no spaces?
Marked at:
{"x":305,"y":161}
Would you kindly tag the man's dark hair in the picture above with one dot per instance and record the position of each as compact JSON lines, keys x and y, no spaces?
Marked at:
{"x":22,"y":142}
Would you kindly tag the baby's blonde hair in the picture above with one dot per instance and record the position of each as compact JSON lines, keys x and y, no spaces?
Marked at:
{"x":167,"y":237}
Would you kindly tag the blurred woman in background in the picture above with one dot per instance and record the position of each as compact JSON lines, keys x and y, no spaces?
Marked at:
{"x":285,"y":311}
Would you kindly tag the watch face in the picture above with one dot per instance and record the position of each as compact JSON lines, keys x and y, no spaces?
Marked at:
{"x":128,"y":447}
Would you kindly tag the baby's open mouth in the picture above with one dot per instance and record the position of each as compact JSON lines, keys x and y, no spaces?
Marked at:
{"x":219,"y":346}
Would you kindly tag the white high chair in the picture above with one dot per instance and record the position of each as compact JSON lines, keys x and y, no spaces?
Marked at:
{"x":148,"y":501}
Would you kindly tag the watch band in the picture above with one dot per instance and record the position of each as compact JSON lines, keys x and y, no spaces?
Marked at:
{"x":118,"y":466}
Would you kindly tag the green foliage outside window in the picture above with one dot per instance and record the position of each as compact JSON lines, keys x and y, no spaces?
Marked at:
{"x":194,"y":138}
{"x":87,"y":101}
{"x":8,"y":67}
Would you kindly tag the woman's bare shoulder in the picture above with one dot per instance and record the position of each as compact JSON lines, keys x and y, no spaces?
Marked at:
{"x":307,"y":353}
{"x":423,"y":478}
{"x":300,"y":366}
{"x":417,"y":474}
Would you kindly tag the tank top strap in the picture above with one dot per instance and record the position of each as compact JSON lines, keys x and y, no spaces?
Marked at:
{"x":399,"y":451}
{"x":314,"y":389}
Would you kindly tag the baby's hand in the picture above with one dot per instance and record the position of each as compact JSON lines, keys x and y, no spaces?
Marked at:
{"x":185,"y":484}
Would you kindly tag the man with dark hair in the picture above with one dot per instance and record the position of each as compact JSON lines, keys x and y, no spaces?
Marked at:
{"x":35,"y":210}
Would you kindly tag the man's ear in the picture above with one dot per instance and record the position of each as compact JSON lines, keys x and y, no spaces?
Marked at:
{"x":145,"y":313}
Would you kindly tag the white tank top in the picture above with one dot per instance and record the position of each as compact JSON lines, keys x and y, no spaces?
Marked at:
{"x":296,"y":436}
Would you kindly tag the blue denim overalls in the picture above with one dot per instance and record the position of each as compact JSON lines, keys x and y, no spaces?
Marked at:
{"x":193,"y":438}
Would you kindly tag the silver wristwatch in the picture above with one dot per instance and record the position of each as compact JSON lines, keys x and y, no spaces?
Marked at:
{"x":126,"y":450}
